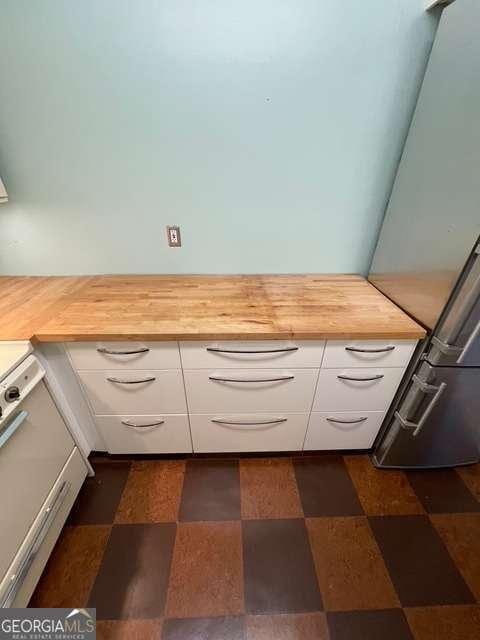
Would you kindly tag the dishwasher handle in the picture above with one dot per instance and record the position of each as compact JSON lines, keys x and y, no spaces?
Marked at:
{"x":48,"y":516}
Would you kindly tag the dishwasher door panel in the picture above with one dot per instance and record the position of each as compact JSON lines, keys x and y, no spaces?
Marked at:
{"x":31,"y":457}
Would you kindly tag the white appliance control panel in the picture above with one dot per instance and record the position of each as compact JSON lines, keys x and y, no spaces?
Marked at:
{"x":16,"y":386}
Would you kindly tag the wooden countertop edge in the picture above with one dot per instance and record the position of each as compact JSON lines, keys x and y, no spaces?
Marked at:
{"x":272,"y":335}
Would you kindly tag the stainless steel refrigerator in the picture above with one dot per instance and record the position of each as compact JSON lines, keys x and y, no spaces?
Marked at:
{"x":428,"y":257}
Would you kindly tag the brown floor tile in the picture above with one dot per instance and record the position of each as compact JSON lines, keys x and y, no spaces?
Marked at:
{"x":279,"y":570}
{"x":382,"y":492}
{"x":325,"y":487}
{"x":471,"y":477}
{"x":461,"y":534}
{"x":389,"y":624}
{"x":420,"y":566}
{"x":269,"y":489}
{"x":152,"y":492}
{"x":445,"y":623}
{"x":129,"y":629}
{"x":211,"y":491}
{"x":222,"y":628}
{"x":70,"y":572}
{"x":133,"y":577}
{"x":206,"y":577}
{"x":442,"y":491}
{"x":98,"y":499}
{"x":350,"y":567}
{"x":289,"y":626}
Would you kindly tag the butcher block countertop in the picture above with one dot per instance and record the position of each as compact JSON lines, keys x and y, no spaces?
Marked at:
{"x":56,"y":309}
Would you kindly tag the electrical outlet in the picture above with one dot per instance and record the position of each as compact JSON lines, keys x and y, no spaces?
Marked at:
{"x":173,"y":236}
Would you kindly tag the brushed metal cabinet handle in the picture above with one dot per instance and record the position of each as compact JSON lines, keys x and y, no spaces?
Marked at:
{"x":113,"y":352}
{"x":246,"y":351}
{"x":278,"y":379}
{"x":340,"y":421}
{"x":132,"y":425}
{"x":248,"y":422}
{"x":390,"y":347}
{"x":377,"y":377}
{"x":9,"y":429}
{"x":118,"y":381}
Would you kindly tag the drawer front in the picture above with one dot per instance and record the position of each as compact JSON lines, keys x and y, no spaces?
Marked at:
{"x":354,"y":390}
{"x":124,"y":355}
{"x":257,"y":353}
{"x":371,"y":353}
{"x":251,"y":390}
{"x":248,"y":432}
{"x":134,"y":392}
{"x":146,"y":434}
{"x":30,"y":461}
{"x":343,"y":430}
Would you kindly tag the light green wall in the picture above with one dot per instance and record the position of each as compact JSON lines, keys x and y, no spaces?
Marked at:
{"x":269,"y":130}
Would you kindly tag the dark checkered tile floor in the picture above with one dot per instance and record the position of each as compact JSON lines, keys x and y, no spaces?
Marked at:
{"x":310,"y":548}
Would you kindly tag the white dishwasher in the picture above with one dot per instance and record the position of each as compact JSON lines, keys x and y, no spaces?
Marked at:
{"x":41,"y":472}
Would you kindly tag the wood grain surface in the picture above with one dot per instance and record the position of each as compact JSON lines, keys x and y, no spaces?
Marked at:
{"x":178,"y":307}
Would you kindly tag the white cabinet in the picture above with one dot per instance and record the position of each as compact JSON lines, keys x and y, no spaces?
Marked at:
{"x":146,"y":434}
{"x":356,"y":389}
{"x":342,"y":429}
{"x":250,"y":395}
{"x":248,"y":432}
{"x":134,"y":392}
{"x":250,"y":390}
{"x":368,"y":353}
{"x":252,"y":353}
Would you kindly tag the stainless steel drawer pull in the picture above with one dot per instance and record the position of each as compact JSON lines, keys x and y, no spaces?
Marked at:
{"x":248,"y":423}
{"x":9,"y":429}
{"x":279,"y":350}
{"x":279,"y":379}
{"x":132,"y":425}
{"x":48,"y":517}
{"x":390,"y":347}
{"x":127,"y":352}
{"x":118,"y":381}
{"x":340,"y":421}
{"x":377,"y":377}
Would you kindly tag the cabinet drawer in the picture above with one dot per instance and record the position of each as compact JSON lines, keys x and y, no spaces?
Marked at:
{"x":368,"y":353}
{"x":252,"y":353}
{"x":124,"y":355}
{"x":134,"y":392}
{"x":251,"y":390}
{"x":145,"y":434}
{"x":343,"y":430}
{"x":248,"y":432}
{"x":354,"y":390}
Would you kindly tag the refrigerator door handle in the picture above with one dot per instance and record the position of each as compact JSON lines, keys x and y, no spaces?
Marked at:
{"x":445,"y":348}
{"x":426,"y":388}
{"x":473,"y":336}
{"x":459,"y":314}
